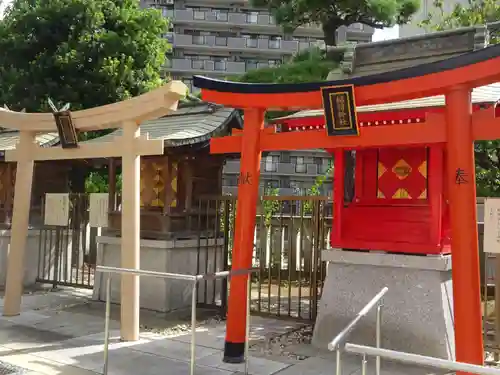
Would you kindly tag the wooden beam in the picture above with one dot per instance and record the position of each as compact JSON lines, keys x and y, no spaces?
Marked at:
{"x":430,"y":131}
{"x":19,"y":231}
{"x":90,"y":150}
{"x":151,"y":105}
{"x":485,"y":125}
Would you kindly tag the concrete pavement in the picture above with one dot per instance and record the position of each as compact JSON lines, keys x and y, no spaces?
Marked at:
{"x":50,"y":337}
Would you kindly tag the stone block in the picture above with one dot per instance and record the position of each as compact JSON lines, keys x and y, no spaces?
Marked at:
{"x":417,"y":315}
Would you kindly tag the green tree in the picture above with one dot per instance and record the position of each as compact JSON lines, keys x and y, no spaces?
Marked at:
{"x":332,"y":14}
{"x":476,"y":12}
{"x":84,"y":52}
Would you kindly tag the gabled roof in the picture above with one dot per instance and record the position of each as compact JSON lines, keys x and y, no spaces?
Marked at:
{"x":485,"y":94}
{"x":9,"y":139}
{"x":191,"y":123}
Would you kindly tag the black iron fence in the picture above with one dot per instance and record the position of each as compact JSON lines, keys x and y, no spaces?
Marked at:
{"x":289,"y":234}
{"x":67,"y":254}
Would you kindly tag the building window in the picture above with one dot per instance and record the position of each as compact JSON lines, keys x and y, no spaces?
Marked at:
{"x":220,"y":64}
{"x":275,"y":42}
{"x":197,"y":64}
{"x":221,"y":41}
{"x":271,"y":164}
{"x":272,"y":184}
{"x":274,"y":62}
{"x":251,"y":40}
{"x":198,"y":39}
{"x":300,"y":165}
{"x":252,"y":17}
{"x":220,"y":14}
{"x":199,"y":15}
{"x":168,"y":13}
{"x":250,"y":64}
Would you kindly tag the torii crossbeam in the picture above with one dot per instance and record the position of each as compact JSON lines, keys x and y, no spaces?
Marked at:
{"x":457,"y":128}
{"x":127,"y":115}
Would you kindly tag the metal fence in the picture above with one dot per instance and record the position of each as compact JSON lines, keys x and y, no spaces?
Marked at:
{"x":195,"y":280}
{"x":289,"y":234}
{"x":67,"y":254}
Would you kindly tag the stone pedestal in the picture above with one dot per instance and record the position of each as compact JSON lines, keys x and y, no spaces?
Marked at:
{"x":30,"y":261}
{"x":173,"y":256}
{"x":418,"y":308}
{"x":40,"y":254}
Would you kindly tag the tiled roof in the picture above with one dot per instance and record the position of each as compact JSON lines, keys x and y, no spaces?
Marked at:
{"x":192,"y":123}
{"x":9,"y":139}
{"x":484,"y":94}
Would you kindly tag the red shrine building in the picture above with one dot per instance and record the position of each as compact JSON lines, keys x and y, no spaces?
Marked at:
{"x":400,"y":199}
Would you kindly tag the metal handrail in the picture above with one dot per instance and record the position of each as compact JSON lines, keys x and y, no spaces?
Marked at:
{"x":340,"y":338}
{"x":421,"y":360}
{"x":175,"y":276}
{"x":335,"y":343}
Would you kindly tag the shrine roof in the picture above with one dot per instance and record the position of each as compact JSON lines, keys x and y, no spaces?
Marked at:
{"x":485,"y":94}
{"x":9,"y":139}
{"x":191,"y":123}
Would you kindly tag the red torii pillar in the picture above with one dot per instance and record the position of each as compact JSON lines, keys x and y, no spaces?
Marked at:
{"x":461,"y":184}
{"x":458,"y":129}
{"x":246,"y":210}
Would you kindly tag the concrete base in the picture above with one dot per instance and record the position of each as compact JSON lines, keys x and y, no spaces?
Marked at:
{"x":418,"y":308}
{"x":177,"y":256}
{"x":39,"y":261}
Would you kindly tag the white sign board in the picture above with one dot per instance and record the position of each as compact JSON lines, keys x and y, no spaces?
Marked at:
{"x":98,"y":215}
{"x":56,"y":209}
{"x":491,"y":239}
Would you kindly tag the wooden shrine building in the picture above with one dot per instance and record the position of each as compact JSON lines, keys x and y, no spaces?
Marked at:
{"x":49,"y":177}
{"x":173,"y":184}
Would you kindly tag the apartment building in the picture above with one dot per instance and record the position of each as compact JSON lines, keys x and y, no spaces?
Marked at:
{"x":227,"y":38}
{"x":220,"y":38}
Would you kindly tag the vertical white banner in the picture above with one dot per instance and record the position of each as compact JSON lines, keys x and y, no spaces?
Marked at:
{"x":56,"y":209}
{"x":491,"y":237}
{"x":98,"y":215}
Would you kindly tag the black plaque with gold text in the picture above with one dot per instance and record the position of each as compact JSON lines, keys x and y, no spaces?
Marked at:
{"x":66,"y":129}
{"x":339,"y":105}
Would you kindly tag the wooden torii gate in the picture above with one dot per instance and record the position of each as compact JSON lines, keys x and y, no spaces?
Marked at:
{"x":457,"y":128}
{"x":127,"y":115}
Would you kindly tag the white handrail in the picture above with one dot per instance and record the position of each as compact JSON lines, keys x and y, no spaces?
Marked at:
{"x":421,"y":360}
{"x":334,"y":344}
{"x":175,"y":276}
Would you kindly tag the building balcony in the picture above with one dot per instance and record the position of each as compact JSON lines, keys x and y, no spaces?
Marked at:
{"x":247,"y":21}
{"x":240,"y":44}
{"x":206,"y":66}
{"x":232,"y":167}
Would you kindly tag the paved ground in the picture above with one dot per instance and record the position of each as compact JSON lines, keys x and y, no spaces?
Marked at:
{"x":61,"y":333}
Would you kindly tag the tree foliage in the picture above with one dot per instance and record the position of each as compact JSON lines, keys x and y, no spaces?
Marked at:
{"x":331,"y":14}
{"x":85,"y":52}
{"x":477,"y":12}
{"x":309,"y":66}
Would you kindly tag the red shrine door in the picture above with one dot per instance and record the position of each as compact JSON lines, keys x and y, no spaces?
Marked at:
{"x":398,"y":202}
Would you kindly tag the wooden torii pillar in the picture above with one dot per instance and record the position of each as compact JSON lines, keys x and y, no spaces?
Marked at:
{"x":458,"y":128}
{"x":126,"y":115}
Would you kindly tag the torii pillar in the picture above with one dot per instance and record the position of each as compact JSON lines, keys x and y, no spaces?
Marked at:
{"x":461,"y":185}
{"x":127,"y":115}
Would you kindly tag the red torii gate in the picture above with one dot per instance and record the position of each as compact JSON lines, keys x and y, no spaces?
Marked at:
{"x":457,"y":129}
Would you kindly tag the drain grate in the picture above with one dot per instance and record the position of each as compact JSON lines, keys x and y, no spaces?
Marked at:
{"x":8,"y":369}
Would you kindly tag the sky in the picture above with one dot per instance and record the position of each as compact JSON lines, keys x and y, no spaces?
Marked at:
{"x":3,"y":4}
{"x":385,"y":34}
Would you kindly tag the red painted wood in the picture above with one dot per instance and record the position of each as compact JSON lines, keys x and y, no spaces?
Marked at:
{"x":413,"y":226}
